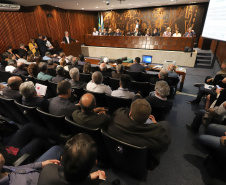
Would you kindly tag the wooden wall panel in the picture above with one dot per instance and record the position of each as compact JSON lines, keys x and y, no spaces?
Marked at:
{"x":220,"y":53}
{"x":19,"y":27}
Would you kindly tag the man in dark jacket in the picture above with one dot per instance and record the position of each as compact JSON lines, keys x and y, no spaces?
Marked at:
{"x":137,"y":67}
{"x":41,"y":45}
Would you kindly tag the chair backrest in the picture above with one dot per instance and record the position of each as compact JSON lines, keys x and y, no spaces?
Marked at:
{"x":27,"y":78}
{"x":136,"y":76}
{"x":30,"y":113}
{"x":4,"y":76}
{"x":51,"y":71}
{"x":94,"y":133}
{"x":114,"y":103}
{"x":160,"y":112}
{"x":85,"y":77}
{"x":146,"y":76}
{"x":144,"y":87}
{"x":11,"y":111}
{"x":67,"y":75}
{"x":114,"y":83}
{"x":126,"y":157}
{"x":76,"y":94}
{"x":95,"y":68}
{"x":100,"y":98}
{"x":55,"y":124}
{"x":53,"y":87}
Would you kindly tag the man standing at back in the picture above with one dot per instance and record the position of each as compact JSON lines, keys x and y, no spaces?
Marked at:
{"x":137,"y":67}
{"x":41,"y":45}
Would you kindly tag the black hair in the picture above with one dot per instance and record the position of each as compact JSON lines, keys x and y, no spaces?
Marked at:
{"x":63,"y":87}
{"x":125,"y":81}
{"x":81,"y":57}
{"x":137,"y":59}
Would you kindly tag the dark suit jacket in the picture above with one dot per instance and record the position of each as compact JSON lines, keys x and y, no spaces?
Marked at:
{"x":154,"y":80}
{"x":20,"y":72}
{"x":137,"y":68}
{"x":155,"y":34}
{"x":58,"y":78}
{"x":91,"y":120}
{"x":70,"y":39}
{"x":118,"y":34}
{"x":54,"y":175}
{"x":105,"y":34}
{"x":42,"y":46}
{"x":36,"y":102}
{"x":111,"y":34}
{"x":22,"y":52}
{"x":77,"y":84}
{"x":11,"y":94}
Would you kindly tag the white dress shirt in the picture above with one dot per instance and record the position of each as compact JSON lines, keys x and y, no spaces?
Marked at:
{"x":100,"y":88}
{"x":96,"y":33}
{"x":9,"y":69}
{"x":68,"y":40}
{"x":123,"y":93}
{"x":177,"y":35}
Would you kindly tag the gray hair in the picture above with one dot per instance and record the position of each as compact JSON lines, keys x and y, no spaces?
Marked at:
{"x":106,"y":60}
{"x":162,"y":88}
{"x":163,"y":74}
{"x":74,"y":73}
{"x":27,"y":89}
{"x":97,"y":77}
{"x":42,"y":66}
{"x":50,"y":62}
{"x":65,"y":32}
{"x":11,"y":62}
{"x":47,"y":54}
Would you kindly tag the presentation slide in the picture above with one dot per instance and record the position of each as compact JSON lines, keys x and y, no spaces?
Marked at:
{"x":215,"y":23}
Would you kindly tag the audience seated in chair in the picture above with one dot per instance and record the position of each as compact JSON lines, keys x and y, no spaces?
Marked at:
{"x":163,"y":75}
{"x":96,"y":84}
{"x":87,"y":68}
{"x":75,"y":83}
{"x":60,"y":75}
{"x":42,"y":75}
{"x":22,"y":51}
{"x":106,"y":61}
{"x":63,"y":64}
{"x":74,"y":63}
{"x":61,"y":105}
{"x":171,"y":71}
{"x":12,"y":90}
{"x":24,"y":60}
{"x":30,"y":97}
{"x":89,"y":116}
{"x":81,"y":60}
{"x":20,"y":70}
{"x":47,"y":56}
{"x":118,"y":73}
{"x":11,"y":66}
{"x":137,"y":67}
{"x":103,"y":70}
{"x":123,"y":91}
{"x":78,"y":158}
{"x":133,"y":127}
{"x":50,"y":64}
{"x":33,"y":70}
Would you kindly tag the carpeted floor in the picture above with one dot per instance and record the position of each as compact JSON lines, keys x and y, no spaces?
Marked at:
{"x":182,"y":164}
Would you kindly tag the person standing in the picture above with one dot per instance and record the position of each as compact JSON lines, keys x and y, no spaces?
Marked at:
{"x":41,"y":45}
{"x":67,"y":39}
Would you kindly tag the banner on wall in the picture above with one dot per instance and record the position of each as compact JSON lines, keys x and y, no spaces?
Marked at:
{"x":101,"y":21}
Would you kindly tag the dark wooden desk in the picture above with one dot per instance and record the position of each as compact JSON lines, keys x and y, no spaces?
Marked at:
{"x":156,"y":43}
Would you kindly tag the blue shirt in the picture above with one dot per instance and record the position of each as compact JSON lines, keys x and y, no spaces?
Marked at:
{"x":46,"y":58}
{"x":44,"y":76}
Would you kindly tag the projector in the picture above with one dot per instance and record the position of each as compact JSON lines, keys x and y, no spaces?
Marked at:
{"x":107,"y":2}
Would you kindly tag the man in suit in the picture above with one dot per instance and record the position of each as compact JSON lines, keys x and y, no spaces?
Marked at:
{"x":110,"y":32}
{"x":137,"y":67}
{"x":118,"y":33}
{"x":138,"y":127}
{"x":189,"y":33}
{"x":90,"y":116}
{"x":22,"y":50}
{"x":78,"y":158}
{"x":163,"y":75}
{"x":137,"y":25}
{"x":61,"y":105}
{"x":105,"y":33}
{"x":41,"y":45}
{"x":137,"y":32}
{"x":67,"y":39}
{"x":12,"y":91}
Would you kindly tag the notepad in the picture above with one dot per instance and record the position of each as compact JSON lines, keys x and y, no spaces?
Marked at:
{"x":40,"y":89}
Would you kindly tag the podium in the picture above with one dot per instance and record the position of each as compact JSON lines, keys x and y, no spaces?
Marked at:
{"x":72,"y":49}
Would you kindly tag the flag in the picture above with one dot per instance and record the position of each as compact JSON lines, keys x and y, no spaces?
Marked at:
{"x":101,"y":21}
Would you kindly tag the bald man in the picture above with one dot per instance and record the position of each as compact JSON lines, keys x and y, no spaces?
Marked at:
{"x":12,"y":90}
{"x":20,"y":70}
{"x":89,"y":116}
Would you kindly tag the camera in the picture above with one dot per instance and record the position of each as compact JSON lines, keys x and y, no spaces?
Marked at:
{"x":107,"y":2}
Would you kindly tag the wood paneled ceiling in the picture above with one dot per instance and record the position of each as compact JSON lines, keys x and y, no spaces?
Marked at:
{"x":101,"y":5}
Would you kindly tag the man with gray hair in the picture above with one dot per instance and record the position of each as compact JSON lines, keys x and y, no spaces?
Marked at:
{"x":96,"y":85}
{"x":163,"y":75}
{"x":30,"y":97}
{"x":75,"y":83}
{"x":60,"y":74}
{"x":119,"y":71}
{"x":11,"y":66}
{"x":43,"y":72}
{"x":20,"y":70}
{"x":47,"y":56}
{"x":103,"y":70}
{"x":171,"y":73}
{"x":67,"y":39}
{"x":106,"y":61}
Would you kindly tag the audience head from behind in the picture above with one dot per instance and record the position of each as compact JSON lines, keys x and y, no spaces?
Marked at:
{"x":30,"y":57}
{"x":50,"y":62}
{"x":33,"y":70}
{"x":14,"y":82}
{"x":140,"y":111}
{"x":63,"y":62}
{"x":27,"y":89}
{"x":106,"y":60}
{"x":38,"y":59}
{"x":74,"y":62}
{"x":137,"y":60}
{"x":5,"y":55}
{"x":171,"y":67}
{"x":48,"y":54}
{"x":74,"y":74}
{"x":97,"y":77}
{"x":78,"y":158}
{"x":81,"y":57}
{"x":70,"y":58}
{"x":103,"y":67}
{"x":119,"y":68}
{"x":87,"y":103}
{"x":125,"y":81}
{"x":87,"y":68}
{"x":60,"y":70}
{"x":64,"y":89}
{"x":43,"y":67}
{"x":163,"y":74}
{"x":162,"y":89}
{"x":62,"y":55}
{"x":11,"y":62}
{"x":20,"y":65}
{"x":23,"y":55}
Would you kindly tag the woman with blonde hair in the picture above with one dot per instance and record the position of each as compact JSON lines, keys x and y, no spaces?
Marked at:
{"x":33,"y":46}
{"x":167,"y":33}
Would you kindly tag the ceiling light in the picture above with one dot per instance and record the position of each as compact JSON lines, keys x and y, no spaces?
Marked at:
{"x":82,"y":8}
{"x":97,"y":7}
{"x":130,"y":4}
{"x":77,"y":4}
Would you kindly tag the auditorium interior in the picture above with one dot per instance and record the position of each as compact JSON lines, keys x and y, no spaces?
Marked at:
{"x":189,"y":157}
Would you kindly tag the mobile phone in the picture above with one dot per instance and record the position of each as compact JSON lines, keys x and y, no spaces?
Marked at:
{"x":218,"y":86}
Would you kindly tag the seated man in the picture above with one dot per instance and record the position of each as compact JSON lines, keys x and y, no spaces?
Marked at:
{"x":12,"y":91}
{"x":105,"y":33}
{"x":47,"y":56}
{"x":30,"y":97}
{"x":51,"y":65}
{"x":118,"y":33}
{"x":123,"y":91}
{"x":20,"y":70}
{"x":74,"y":63}
{"x":75,"y":83}
{"x":171,"y":71}
{"x":81,"y":60}
{"x":103,"y":70}
{"x":11,"y":66}
{"x":23,"y":59}
{"x":61,"y":104}
{"x":42,"y":75}
{"x":106,"y":61}
{"x":118,"y":73}
{"x":189,"y":33}
{"x":60,"y":75}
{"x":137,"y":67}
{"x":90,"y":116}
{"x":96,"y":84}
{"x":22,"y":50}
{"x":78,"y":158}
{"x":163,"y":75}
{"x":132,"y":126}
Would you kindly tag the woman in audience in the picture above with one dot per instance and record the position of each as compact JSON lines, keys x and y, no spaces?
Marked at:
{"x":30,"y":57}
{"x":33,"y":70}
{"x":177,"y":34}
{"x":33,"y":46}
{"x":155,"y":32}
{"x":118,"y":73}
{"x":167,"y":33}
{"x":87,"y":68}
{"x":63,"y":64}
{"x":148,"y":34}
{"x":38,"y":59}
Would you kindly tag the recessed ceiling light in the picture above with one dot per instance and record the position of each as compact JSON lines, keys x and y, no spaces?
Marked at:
{"x":82,"y":8}
{"x":77,"y":4}
{"x":97,"y":7}
{"x":130,"y":4}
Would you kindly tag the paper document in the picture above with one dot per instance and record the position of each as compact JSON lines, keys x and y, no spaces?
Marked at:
{"x":206,"y":86}
{"x":40,"y":89}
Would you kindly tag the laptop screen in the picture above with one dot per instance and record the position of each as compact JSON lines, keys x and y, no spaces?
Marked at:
{"x":147,"y":59}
